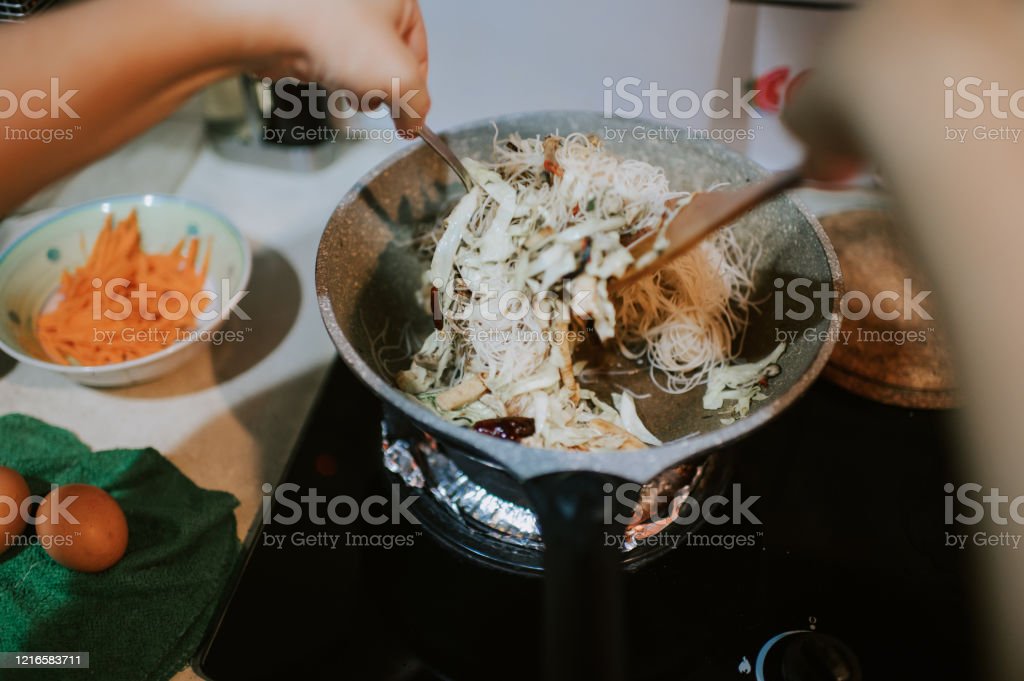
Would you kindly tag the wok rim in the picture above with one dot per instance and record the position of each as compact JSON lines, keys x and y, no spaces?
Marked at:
{"x":528,"y":462}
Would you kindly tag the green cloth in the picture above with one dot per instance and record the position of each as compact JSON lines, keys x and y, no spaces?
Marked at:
{"x":144,"y":617}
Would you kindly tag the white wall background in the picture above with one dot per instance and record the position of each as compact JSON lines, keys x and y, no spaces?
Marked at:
{"x":490,"y":57}
{"x":493,"y":57}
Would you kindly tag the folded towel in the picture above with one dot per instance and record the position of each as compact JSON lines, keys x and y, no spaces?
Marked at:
{"x":144,"y":617}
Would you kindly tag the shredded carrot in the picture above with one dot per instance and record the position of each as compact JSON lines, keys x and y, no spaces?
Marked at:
{"x":101,"y":321}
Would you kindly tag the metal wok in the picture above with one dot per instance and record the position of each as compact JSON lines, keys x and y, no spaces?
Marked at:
{"x":368,"y":271}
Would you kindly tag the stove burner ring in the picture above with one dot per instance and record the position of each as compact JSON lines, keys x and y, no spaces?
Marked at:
{"x":480,"y":523}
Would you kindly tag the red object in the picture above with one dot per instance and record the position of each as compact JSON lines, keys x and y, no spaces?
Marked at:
{"x":796,"y":84}
{"x":769,"y":89}
{"x":513,"y":428}
{"x":325,"y":465}
{"x":435,"y":308}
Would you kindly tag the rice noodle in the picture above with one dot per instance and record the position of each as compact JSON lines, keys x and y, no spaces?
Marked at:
{"x":553,"y":216}
{"x":685,"y":319}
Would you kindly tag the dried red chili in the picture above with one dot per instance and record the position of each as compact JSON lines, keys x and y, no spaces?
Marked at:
{"x":513,"y":428}
{"x":435,"y":309}
{"x":553,"y":168}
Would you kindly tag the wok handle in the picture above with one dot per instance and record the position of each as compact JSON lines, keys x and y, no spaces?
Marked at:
{"x":583,"y":578}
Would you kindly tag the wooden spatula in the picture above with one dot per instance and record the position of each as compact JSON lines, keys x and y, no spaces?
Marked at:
{"x":706,"y":212}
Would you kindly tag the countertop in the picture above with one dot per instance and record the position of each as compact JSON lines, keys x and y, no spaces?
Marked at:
{"x":229,"y":418}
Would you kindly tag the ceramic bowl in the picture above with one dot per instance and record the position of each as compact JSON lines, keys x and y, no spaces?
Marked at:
{"x":31,"y":268}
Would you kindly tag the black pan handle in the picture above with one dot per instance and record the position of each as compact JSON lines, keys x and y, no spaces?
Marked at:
{"x":582,"y":571}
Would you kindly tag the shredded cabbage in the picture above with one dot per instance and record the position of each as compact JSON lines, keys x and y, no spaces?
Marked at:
{"x":741,"y":383}
{"x":519,"y":271}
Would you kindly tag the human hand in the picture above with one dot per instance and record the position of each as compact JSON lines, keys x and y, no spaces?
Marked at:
{"x":815,"y":115}
{"x":371,"y":47}
{"x":880,"y":75}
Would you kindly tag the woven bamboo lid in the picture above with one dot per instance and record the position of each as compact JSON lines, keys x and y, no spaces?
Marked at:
{"x":904,"y":361}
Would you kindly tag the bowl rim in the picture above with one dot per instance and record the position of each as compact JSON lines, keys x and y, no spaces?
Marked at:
{"x":156,"y":198}
{"x":530,"y":462}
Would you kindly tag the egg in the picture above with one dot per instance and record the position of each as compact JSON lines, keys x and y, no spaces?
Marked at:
{"x":13,"y":492}
{"x":82,"y":528}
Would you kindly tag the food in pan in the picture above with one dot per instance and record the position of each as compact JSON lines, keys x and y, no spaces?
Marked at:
{"x":518,"y":290}
{"x":123,"y":303}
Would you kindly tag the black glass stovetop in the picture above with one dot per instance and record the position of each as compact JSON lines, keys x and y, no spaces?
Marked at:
{"x":850,"y":546}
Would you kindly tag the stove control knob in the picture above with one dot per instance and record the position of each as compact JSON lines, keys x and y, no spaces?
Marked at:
{"x":810,"y":656}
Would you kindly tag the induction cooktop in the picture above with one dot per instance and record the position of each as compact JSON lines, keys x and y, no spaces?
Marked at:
{"x":846,"y":576}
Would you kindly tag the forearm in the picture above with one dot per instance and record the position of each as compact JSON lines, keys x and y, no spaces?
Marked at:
{"x":131,"y":63}
{"x":962,"y":202}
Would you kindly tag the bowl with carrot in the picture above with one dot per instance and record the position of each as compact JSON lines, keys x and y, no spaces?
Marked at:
{"x":121,"y":290}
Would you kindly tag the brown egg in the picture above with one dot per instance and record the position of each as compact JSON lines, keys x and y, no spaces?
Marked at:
{"x":82,"y":528}
{"x":13,"y":492}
